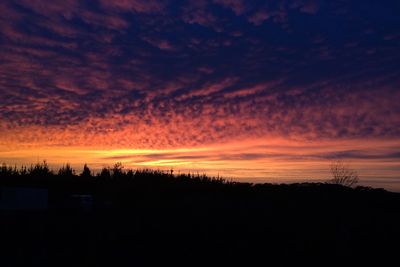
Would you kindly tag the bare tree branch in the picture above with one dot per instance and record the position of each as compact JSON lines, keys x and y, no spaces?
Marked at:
{"x":343,"y":175}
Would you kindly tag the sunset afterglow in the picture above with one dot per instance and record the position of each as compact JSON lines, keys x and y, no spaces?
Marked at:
{"x":250,"y":90}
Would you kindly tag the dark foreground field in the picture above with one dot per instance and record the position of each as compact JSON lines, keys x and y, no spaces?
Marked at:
{"x":153,"y":218}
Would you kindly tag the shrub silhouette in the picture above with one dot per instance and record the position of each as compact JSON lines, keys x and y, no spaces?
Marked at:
{"x":343,"y":175}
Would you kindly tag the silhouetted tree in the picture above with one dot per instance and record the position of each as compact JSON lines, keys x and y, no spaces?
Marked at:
{"x":23,"y":171}
{"x":8,"y":170}
{"x":129,"y":175}
{"x":66,"y":171}
{"x":40,"y":170}
{"x":105,"y":174}
{"x":86,"y":173}
{"x":343,"y":175}
{"x":117,"y":171}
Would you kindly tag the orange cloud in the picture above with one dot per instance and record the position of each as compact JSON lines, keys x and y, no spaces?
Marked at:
{"x":261,"y":160}
{"x":221,"y":80}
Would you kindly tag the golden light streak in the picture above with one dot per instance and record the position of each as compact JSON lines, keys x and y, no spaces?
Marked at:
{"x":256,"y":160}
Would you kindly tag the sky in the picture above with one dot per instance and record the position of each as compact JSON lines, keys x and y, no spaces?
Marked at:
{"x":260,"y":91}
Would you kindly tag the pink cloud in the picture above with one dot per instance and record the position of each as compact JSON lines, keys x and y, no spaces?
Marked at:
{"x":8,"y":13}
{"x":310,"y":7}
{"x":66,"y":8}
{"x":210,"y":88}
{"x":306,"y":6}
{"x":259,"y":17}
{"x":198,"y":12}
{"x":159,"y":43}
{"x":79,"y":75}
{"x":206,"y":70}
{"x":251,"y":90}
{"x":141,"y":6}
{"x":237,"y":6}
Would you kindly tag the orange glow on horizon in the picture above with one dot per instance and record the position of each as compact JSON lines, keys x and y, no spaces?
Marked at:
{"x":256,"y":160}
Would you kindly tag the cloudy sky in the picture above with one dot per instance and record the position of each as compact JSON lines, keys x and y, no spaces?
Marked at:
{"x":254,"y":90}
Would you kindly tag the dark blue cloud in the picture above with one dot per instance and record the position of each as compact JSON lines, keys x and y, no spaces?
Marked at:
{"x":302,"y":68}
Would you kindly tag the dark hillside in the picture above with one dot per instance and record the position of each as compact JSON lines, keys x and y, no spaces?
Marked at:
{"x":137,"y":218}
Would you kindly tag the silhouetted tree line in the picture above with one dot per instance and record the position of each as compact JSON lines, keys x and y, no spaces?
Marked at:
{"x":114,"y":184}
{"x":117,"y":172}
{"x":122,"y":186}
{"x":41,"y":171}
{"x":153,"y":217}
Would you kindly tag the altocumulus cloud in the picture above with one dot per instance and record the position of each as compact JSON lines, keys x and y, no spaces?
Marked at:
{"x":170,"y":74}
